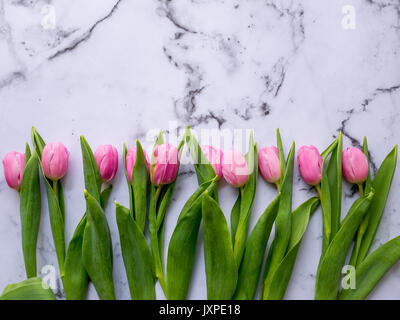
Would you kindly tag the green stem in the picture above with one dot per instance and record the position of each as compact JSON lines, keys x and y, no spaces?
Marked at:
{"x":361,"y":189}
{"x":318,"y":187}
{"x":278,"y":186}
{"x":55,"y":188}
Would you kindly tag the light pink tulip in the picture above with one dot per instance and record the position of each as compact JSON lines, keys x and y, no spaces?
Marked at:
{"x":269,"y":164}
{"x":107,"y":160}
{"x":214,"y":156}
{"x":14,"y":165}
{"x":354,"y":165}
{"x":310,"y":164}
{"x":234,"y":168}
{"x":165,"y":164}
{"x":131,"y":159}
{"x":55,"y":160}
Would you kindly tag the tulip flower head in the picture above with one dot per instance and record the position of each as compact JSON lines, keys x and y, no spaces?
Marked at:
{"x":165,"y":164}
{"x":310,"y":164}
{"x":107,"y":160}
{"x":14,"y":165}
{"x":269,"y":164}
{"x":55,"y":160}
{"x":234,"y":168}
{"x":130,"y":162}
{"x":354,"y":165}
{"x":214,"y":156}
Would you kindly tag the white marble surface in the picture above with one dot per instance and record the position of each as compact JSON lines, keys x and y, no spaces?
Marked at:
{"x":113,"y":70}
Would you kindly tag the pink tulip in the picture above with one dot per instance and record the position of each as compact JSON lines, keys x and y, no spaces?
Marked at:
{"x":214,"y":156}
{"x":354,"y":165}
{"x":131,"y":159}
{"x":310,"y":164}
{"x":269,"y":164}
{"x":107,"y":160}
{"x":14,"y":165}
{"x":234,"y":168}
{"x":165,"y":164}
{"x":55,"y":160}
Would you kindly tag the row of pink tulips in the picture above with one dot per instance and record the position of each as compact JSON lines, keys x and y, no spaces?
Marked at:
{"x":165,"y":163}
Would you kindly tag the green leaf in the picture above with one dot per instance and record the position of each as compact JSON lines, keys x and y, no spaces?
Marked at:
{"x":90,"y":170}
{"x":55,"y":201}
{"x":250,"y":268}
{"x":282,"y":225}
{"x":334,"y":174}
{"x":381,"y":184}
{"x":105,"y":195}
{"x":247,"y":194}
{"x":38,"y":142}
{"x":136,"y":255}
{"x":28,"y":153}
{"x":330,"y":265}
{"x":281,"y":152}
{"x":326,"y":209}
{"x":221,"y":269}
{"x":97,"y":249}
{"x":372,"y":269}
{"x":364,"y":223}
{"x":31,"y":289}
{"x":30,"y":206}
{"x":235,"y":216}
{"x":182,"y":246}
{"x":140,"y":181}
{"x":204,"y":170}
{"x":76,"y":278}
{"x":300,"y":218}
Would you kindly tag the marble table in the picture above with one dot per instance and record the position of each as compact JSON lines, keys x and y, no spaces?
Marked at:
{"x":116,"y":70}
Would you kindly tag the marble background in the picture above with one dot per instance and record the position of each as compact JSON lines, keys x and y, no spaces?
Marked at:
{"x":113,"y":70}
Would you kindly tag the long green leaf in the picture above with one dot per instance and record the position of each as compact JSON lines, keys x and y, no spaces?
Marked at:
{"x":136,"y":255}
{"x":372,"y":269}
{"x":30,"y":206}
{"x":326,"y":209}
{"x":90,"y":170}
{"x":300,"y":218}
{"x":140,"y":181}
{"x":334,"y":173}
{"x":282,"y":225}
{"x":182,"y":246}
{"x":250,"y":268}
{"x":31,"y":289}
{"x":381,"y":184}
{"x":247,"y":195}
{"x":221,"y":270}
{"x":330,"y":266}
{"x":76,"y":278}
{"x":97,"y":249}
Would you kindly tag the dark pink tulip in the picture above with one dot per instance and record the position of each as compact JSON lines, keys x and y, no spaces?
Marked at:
{"x":310,"y":164}
{"x":55,"y":160}
{"x":214,"y":156}
{"x":107,"y":160}
{"x":165,"y":164}
{"x":14,"y":165}
{"x":354,"y":165}
{"x":234,"y":168}
{"x":269,"y":164}
{"x":130,"y":162}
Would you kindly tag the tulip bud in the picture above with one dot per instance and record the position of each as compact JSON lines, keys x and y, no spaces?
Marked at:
{"x":214,"y":156}
{"x":14,"y":165}
{"x":55,"y":160}
{"x":269,"y":164}
{"x":310,"y":164}
{"x":354,"y":165}
{"x":165,"y":164}
{"x":107,"y":160}
{"x":234,"y":168}
{"x":130,"y":162}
